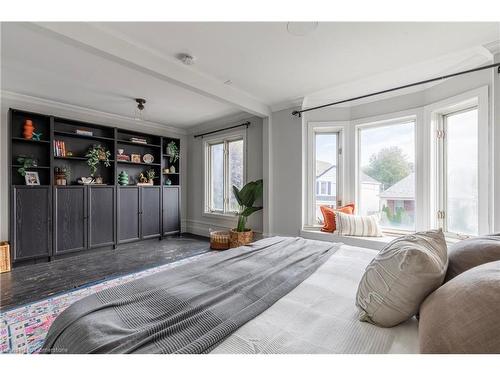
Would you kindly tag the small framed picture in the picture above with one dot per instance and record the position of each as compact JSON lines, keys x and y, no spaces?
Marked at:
{"x":32,"y":178}
{"x":135,"y":158}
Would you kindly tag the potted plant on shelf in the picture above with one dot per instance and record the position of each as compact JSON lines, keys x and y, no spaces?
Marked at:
{"x":26,"y":162}
{"x":95,"y":155}
{"x":246,"y":197}
{"x":172,"y":152}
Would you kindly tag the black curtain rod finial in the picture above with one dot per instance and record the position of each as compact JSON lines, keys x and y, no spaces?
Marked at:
{"x":297,"y":113}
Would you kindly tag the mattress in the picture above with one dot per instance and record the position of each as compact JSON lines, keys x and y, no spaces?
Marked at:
{"x":320,"y":316}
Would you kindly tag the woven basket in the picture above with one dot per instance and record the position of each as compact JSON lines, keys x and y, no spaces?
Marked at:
{"x":4,"y":257}
{"x":241,"y":238}
{"x":219,"y":240}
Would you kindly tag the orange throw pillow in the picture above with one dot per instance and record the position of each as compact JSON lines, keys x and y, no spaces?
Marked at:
{"x":329,"y":216}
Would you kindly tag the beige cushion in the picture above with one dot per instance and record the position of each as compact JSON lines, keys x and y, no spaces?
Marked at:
{"x":399,"y":278}
{"x":472,"y":252}
{"x":355,"y":225}
{"x":463,"y":316}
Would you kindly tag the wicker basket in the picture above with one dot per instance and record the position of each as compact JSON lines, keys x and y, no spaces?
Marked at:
{"x":219,"y":240}
{"x":4,"y":257}
{"x":241,"y":238}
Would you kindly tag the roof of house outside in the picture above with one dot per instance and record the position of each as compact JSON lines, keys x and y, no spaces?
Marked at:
{"x":403,"y":189}
{"x":365,"y":179}
{"x":322,"y":167}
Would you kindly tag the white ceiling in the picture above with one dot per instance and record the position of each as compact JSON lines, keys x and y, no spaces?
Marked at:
{"x":34,"y":63}
{"x":104,"y":65}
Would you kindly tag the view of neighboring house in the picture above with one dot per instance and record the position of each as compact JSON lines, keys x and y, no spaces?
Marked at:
{"x":326,"y":189}
{"x":398,"y":202}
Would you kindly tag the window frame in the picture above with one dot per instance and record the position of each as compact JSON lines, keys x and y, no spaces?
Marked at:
{"x":435,"y":115}
{"x":224,"y":139}
{"x":313,"y":128}
{"x":384,"y":121}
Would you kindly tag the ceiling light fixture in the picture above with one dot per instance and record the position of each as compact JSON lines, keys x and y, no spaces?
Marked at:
{"x":139,"y":111}
{"x":301,"y":28}
{"x":186,"y":58}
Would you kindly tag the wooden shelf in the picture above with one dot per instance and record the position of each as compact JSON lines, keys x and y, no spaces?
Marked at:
{"x":28,"y":140}
{"x":70,"y":157}
{"x":137,"y":143}
{"x":172,"y":173}
{"x":80,"y":158}
{"x":37,"y":167}
{"x":74,"y":135}
{"x":141,"y":163}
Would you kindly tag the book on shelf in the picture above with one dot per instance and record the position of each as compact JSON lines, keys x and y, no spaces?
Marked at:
{"x":84,"y":132}
{"x":59,"y":149}
{"x":138,"y":140}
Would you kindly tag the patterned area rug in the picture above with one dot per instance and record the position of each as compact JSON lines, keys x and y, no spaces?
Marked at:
{"x":23,"y":329}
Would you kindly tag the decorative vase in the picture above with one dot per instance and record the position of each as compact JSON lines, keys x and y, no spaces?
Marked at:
{"x":168,"y":182}
{"x":172,"y":169}
{"x":28,"y":129}
{"x":123,"y":178}
{"x":240,"y":238}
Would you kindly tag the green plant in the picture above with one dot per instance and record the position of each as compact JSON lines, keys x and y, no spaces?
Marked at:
{"x":95,"y":155}
{"x":246,"y":197}
{"x":26,"y":163}
{"x":151,"y":174}
{"x":173,"y":152}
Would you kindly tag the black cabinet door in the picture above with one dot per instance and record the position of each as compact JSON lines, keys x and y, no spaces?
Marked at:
{"x":31,"y":232}
{"x":101,"y":210}
{"x":128,"y":214}
{"x":70,"y":219}
{"x":150,"y":211}
{"x":171,"y":210}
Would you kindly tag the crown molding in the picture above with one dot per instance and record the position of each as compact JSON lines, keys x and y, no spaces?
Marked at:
{"x":66,"y":110}
{"x":493,"y":47}
{"x":461,"y":60}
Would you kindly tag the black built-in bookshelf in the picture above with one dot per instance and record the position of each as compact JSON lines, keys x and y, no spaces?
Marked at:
{"x":30,"y":204}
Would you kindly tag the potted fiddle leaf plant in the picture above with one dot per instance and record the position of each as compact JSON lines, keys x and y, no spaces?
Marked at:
{"x":246,"y":197}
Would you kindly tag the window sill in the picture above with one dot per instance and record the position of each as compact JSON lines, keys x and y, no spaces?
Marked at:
{"x":375,"y":243}
{"x":228,"y":216}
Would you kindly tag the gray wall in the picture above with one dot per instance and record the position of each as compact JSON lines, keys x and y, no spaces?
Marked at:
{"x":76,"y":113}
{"x":196,"y":221}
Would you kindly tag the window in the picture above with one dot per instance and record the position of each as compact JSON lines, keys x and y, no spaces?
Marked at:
{"x":224,"y":167}
{"x":458,"y":203}
{"x":324,"y":175}
{"x":386,"y":173}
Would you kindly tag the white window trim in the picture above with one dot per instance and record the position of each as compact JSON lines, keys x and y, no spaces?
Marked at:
{"x":433,"y":114}
{"x":312,"y":129}
{"x":209,"y":140}
{"x":415,"y":115}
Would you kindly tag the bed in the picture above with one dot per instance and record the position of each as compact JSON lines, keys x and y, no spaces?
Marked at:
{"x":319,"y":316}
{"x":278,"y":295}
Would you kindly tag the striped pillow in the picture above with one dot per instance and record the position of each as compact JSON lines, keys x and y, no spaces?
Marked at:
{"x":355,"y":225}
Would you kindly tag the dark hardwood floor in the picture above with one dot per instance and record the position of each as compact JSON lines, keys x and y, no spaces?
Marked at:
{"x":35,"y":282}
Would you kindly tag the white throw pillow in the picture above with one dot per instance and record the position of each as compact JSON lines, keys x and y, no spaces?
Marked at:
{"x":355,"y":225}
{"x":401,"y":276}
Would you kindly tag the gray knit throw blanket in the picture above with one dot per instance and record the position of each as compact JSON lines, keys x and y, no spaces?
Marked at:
{"x":190,"y":308}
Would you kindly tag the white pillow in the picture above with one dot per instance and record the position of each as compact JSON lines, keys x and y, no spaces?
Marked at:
{"x":401,"y":276}
{"x":354,"y":225}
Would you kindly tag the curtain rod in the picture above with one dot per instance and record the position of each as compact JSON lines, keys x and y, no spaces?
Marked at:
{"x":221,"y":130}
{"x":299,"y":113}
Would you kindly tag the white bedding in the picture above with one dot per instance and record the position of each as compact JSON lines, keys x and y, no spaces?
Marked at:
{"x":320,"y":316}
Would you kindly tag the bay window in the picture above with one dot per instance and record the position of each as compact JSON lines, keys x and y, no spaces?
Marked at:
{"x":325,"y":169}
{"x":386,"y":172}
